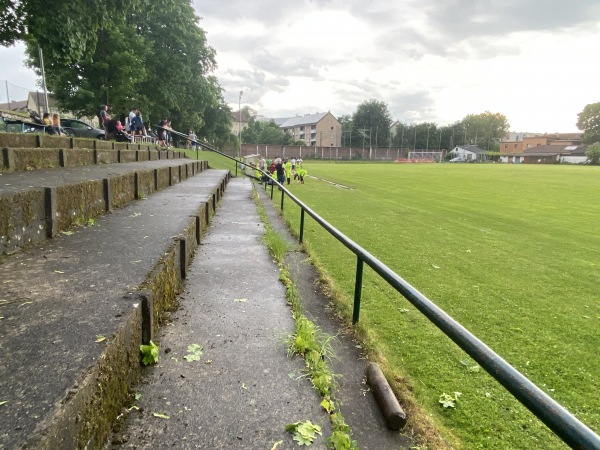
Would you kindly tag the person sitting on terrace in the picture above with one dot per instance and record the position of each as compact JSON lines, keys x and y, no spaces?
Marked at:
{"x":56,"y":128}
{"x":46,"y":119}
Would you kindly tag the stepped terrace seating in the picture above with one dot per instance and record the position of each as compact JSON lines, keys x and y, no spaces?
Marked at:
{"x":95,"y":240}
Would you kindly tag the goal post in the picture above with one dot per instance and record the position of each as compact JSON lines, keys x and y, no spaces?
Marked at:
{"x":425,"y":156}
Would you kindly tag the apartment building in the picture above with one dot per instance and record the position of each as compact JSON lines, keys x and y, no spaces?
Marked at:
{"x":317,"y":130}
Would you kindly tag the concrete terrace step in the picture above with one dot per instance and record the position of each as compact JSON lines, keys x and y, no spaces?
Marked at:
{"x":61,"y":388}
{"x":28,"y":159}
{"x":38,"y":205}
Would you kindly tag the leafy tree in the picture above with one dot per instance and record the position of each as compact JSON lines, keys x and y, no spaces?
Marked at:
{"x":588,"y":120}
{"x":11,"y":22}
{"x":178,"y":84}
{"x":484,"y":130}
{"x":373,"y":117}
{"x":107,"y":65}
{"x":593,"y":154}
{"x":419,"y":136}
{"x":347,"y":129}
{"x":260,"y":132}
{"x":149,"y":54}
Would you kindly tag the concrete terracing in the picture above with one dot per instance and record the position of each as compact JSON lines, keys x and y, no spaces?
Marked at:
{"x":75,"y":306}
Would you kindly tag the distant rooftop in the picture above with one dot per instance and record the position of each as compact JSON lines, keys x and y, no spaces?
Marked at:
{"x":309,"y":119}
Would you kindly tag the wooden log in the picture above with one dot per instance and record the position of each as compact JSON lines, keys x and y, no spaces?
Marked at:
{"x":394,"y":415}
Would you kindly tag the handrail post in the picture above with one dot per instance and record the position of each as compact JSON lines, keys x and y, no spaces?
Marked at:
{"x":236,"y":168}
{"x":357,"y":289}
{"x":301,"y":224}
{"x":282,"y":196}
{"x":272,"y":184}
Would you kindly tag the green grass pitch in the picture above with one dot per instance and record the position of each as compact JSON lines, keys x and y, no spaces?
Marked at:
{"x":510,"y":251}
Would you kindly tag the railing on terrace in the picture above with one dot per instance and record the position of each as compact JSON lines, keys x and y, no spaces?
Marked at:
{"x":566,"y":426}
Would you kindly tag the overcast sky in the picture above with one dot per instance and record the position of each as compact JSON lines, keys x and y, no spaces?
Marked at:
{"x":536,"y":61}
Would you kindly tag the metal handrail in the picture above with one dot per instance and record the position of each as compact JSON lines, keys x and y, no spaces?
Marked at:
{"x":565,"y":425}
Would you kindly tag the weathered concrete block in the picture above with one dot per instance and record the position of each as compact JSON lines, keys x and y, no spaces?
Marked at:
{"x":80,"y":157}
{"x":47,"y":141}
{"x":18,"y":140}
{"x":133,"y":146}
{"x":163,"y":154}
{"x":142,"y":155}
{"x":22,"y":219}
{"x":76,"y":203}
{"x":84,"y":143}
{"x":153,"y":155}
{"x":144,"y":183}
{"x":126,"y":156}
{"x":120,"y":145}
{"x":103,"y":145}
{"x":34,"y":158}
{"x":107,"y":156}
{"x":163,"y":177}
{"x":122,"y":190}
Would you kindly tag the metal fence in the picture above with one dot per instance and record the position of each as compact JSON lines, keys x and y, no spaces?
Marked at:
{"x":566,"y":426}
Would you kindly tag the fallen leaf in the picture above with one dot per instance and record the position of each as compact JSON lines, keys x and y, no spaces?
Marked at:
{"x":58,"y":271}
{"x":276,"y":444}
{"x":435,"y":267}
{"x":67,"y":233}
{"x":138,"y":396}
{"x":208,"y":361}
{"x":194,"y":352}
{"x":160,"y":416}
{"x":240,"y":300}
{"x":26,"y":303}
{"x":2,"y":403}
{"x":100,"y":338}
{"x":134,"y":407}
{"x":244,"y":386}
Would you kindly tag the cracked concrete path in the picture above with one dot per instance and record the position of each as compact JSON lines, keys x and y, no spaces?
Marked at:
{"x":245,"y":388}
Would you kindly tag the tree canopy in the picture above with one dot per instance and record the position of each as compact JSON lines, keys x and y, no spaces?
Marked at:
{"x":593,"y":154}
{"x":371,"y":124}
{"x":484,"y":130}
{"x":588,"y":120}
{"x":149,"y":54}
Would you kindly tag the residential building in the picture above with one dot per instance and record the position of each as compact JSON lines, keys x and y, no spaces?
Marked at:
{"x":513,"y":142}
{"x":564,"y":139}
{"x":469,"y":153}
{"x":317,"y":130}
{"x":237,"y":126}
{"x":555,"y":154}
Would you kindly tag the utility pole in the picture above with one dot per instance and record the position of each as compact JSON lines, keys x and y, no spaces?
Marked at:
{"x":47,"y":109}
{"x":240,"y":125}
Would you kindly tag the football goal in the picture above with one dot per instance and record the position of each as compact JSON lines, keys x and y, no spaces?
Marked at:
{"x":425,"y":156}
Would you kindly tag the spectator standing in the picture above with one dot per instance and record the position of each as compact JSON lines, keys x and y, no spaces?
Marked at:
{"x":104,"y":115}
{"x":137,"y":124}
{"x":131,"y":116}
{"x":280,"y":171}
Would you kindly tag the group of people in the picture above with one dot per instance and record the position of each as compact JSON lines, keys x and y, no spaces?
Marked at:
{"x":54,"y":123}
{"x":283,"y":169}
{"x":132,"y":125}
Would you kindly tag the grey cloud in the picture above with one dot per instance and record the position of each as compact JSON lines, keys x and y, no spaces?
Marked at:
{"x":254,"y":85}
{"x":286,"y":66}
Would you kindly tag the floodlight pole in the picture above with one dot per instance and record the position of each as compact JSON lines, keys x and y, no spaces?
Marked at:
{"x":47,"y":109}
{"x":240,"y":125}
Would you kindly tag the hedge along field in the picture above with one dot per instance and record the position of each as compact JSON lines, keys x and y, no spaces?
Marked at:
{"x":510,"y":251}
